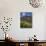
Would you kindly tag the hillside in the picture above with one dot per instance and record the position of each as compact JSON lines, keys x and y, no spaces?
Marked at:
{"x":26,"y":22}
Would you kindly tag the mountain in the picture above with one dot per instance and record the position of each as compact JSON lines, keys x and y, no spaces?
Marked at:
{"x":26,"y":18}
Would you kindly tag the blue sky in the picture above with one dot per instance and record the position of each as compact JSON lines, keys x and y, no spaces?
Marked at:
{"x":26,"y":14}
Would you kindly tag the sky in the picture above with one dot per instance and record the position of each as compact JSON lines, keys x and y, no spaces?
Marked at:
{"x":26,"y":14}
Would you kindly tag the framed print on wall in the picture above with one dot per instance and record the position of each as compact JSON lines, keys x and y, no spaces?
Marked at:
{"x":25,"y":19}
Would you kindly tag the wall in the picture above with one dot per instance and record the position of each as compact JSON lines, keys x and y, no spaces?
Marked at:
{"x":12,"y":8}
{"x":45,"y":28}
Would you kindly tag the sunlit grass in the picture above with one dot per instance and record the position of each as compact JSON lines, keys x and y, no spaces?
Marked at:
{"x":25,"y":24}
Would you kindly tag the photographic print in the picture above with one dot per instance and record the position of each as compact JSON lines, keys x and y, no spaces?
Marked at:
{"x":25,"y":19}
